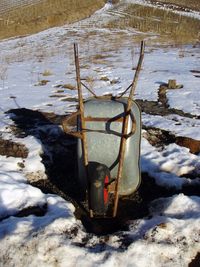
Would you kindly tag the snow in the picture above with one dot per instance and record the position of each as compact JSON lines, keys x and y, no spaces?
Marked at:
{"x":167,"y":166}
{"x":15,"y":193}
{"x":106,"y":7}
{"x":176,"y":124}
{"x":175,"y":222}
{"x":179,"y":207}
{"x":169,"y":235}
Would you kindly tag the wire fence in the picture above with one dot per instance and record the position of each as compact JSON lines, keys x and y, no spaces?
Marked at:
{"x":8,"y":5}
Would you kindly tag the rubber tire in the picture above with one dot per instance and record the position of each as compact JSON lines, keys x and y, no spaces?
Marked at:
{"x":99,"y":177}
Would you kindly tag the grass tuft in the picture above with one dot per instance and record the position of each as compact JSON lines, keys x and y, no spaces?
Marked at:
{"x":47,"y":73}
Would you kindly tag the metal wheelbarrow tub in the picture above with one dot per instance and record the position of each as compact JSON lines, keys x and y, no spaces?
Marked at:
{"x":103,"y":127}
{"x":108,"y":150}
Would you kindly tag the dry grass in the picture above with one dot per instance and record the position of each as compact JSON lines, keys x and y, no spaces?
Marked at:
{"x":65,"y":86}
{"x":47,"y":73}
{"x":171,"y":26}
{"x":99,"y":56}
{"x":3,"y":73}
{"x":104,"y":78}
{"x":69,"y":86}
{"x":49,"y":13}
{"x":42,"y":82}
{"x":193,"y":4}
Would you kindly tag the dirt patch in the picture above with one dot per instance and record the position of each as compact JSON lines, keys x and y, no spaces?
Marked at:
{"x":42,"y":83}
{"x":162,"y":92}
{"x":159,"y":138}
{"x":192,"y":144}
{"x":154,"y":108}
{"x":12,"y":149}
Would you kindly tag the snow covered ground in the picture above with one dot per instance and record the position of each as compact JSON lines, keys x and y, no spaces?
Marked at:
{"x":33,"y":70}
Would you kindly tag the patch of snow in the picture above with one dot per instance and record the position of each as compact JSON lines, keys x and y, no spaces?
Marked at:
{"x":15,"y":193}
{"x":168,"y":165}
{"x":178,"y":207}
{"x":57,"y":238}
{"x":106,"y":7}
{"x":178,"y":125}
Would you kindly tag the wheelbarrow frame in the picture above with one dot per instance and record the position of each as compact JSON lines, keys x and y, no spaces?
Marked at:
{"x":114,"y":186}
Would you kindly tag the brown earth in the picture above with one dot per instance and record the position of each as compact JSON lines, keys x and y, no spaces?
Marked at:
{"x":12,"y":149}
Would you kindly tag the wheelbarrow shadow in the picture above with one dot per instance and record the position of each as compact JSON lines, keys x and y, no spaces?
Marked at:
{"x":59,"y":151}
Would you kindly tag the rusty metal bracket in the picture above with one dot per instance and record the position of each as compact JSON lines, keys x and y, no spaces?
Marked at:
{"x":67,"y":123}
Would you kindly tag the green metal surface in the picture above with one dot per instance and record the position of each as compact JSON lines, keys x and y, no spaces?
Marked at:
{"x":103,"y":141}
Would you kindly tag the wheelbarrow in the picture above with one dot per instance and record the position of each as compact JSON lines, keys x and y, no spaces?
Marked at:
{"x":108,"y":129}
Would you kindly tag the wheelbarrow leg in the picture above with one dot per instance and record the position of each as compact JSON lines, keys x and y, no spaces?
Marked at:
{"x":82,"y":119}
{"x":125,"y":129}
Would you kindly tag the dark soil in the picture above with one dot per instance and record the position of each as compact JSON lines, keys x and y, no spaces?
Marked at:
{"x":156,"y":108}
{"x":196,"y":261}
{"x":160,"y":138}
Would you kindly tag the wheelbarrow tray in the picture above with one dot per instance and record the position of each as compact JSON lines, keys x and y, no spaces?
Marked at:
{"x":103,"y":127}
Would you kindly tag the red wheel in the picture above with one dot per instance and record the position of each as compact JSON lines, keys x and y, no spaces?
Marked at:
{"x":99,"y":178}
{"x":105,"y":192}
